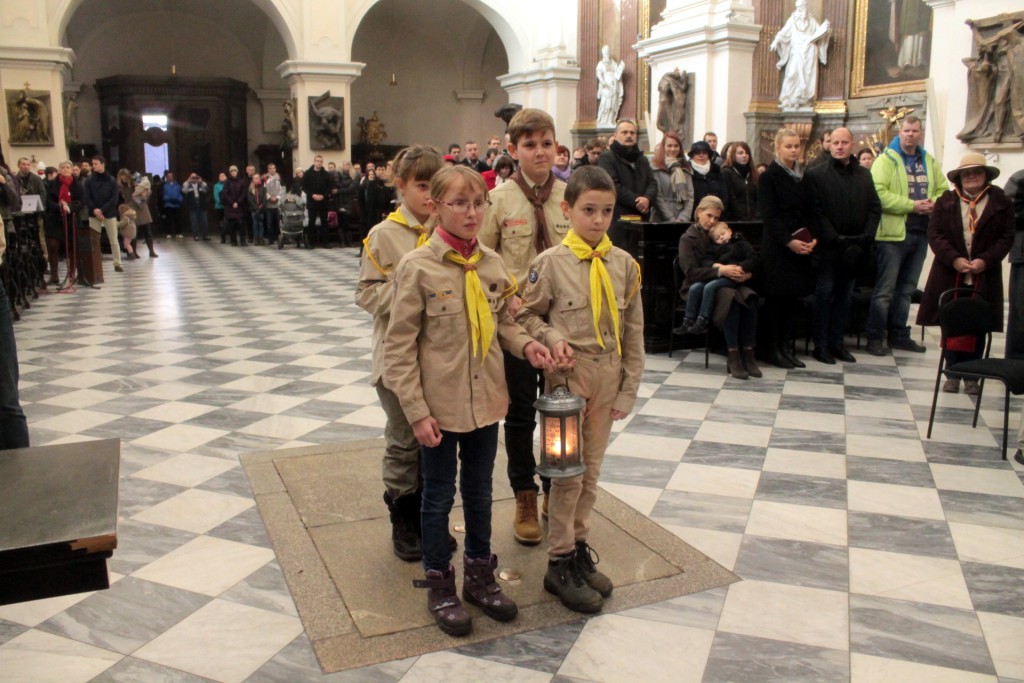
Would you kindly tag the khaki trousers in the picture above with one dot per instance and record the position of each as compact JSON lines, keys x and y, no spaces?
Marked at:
{"x":401,"y":465}
{"x":109,"y":225}
{"x":596,"y":379}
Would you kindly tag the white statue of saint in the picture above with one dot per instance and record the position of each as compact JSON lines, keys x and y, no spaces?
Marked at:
{"x":801,"y":44}
{"x":609,"y":89}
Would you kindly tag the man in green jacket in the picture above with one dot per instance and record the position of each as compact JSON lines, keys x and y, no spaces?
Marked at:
{"x":908,"y":180}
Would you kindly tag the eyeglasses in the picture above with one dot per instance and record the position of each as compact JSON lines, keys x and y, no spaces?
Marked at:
{"x":462,"y":206}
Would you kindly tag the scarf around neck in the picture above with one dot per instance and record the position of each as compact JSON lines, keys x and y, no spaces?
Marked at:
{"x":64,"y":194}
{"x":537,"y":196}
{"x":703,"y":169}
{"x":478,"y":310}
{"x":600,"y":281}
{"x":630,"y":154}
{"x":796,"y":173}
{"x":972,"y":206}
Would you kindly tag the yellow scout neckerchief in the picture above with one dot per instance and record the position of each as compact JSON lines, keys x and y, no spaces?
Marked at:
{"x":599,"y":280}
{"x":479,"y":311}
{"x":397,"y":217}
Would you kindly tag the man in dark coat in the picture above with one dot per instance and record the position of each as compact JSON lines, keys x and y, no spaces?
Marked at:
{"x":236,"y":205}
{"x":102,"y":198}
{"x":636,"y":187}
{"x":847,"y":211}
{"x":1014,"y":190}
{"x":316,"y":183}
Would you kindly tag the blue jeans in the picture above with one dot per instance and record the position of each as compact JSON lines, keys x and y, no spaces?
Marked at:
{"x":899,"y":269}
{"x":13,"y":425}
{"x":476,"y":450}
{"x":701,"y":299}
{"x":833,"y":292}
{"x":257,"y":225}
{"x":199,"y":224}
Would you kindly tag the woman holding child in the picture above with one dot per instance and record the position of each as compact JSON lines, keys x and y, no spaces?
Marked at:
{"x":735,"y":306}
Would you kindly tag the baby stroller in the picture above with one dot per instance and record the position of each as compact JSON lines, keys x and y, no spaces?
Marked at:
{"x":292,"y":216}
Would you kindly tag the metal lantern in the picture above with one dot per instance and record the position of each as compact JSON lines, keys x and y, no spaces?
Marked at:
{"x":561,"y":433}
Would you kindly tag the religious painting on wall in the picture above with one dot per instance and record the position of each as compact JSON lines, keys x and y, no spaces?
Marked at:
{"x":891,"y":47}
{"x":28,"y":117}
{"x":327,"y":122}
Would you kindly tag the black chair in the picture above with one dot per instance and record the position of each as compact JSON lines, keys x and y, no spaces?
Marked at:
{"x":962,"y":313}
{"x":679,"y":311}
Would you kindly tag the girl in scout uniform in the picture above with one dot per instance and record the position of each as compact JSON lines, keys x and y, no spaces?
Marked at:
{"x":442,"y":359}
{"x":582,"y":299}
{"x":405,"y":229}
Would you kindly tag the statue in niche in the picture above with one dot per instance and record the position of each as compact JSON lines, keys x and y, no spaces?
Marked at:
{"x":995,"y":80}
{"x":28,"y":115}
{"x":371,"y":130}
{"x":609,"y":89}
{"x":71,"y":121}
{"x":327,"y":119}
{"x":673,"y":90}
{"x":288,"y":125}
{"x":801,"y":44}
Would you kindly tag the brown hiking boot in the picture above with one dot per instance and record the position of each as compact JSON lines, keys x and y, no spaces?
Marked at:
{"x":526,"y":527}
{"x":443,"y":602}
{"x":479,"y":588}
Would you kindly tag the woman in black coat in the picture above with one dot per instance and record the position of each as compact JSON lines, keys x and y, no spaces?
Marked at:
{"x":707,"y":176}
{"x":741,"y":178}
{"x":785,"y":201}
{"x":63,"y":202}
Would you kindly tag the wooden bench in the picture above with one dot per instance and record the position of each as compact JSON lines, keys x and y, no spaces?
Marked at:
{"x":58,"y":519}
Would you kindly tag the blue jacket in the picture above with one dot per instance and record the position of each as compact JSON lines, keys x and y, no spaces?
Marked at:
{"x":172,"y":196}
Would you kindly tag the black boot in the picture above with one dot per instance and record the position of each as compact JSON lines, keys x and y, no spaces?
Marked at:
{"x":404,"y":537}
{"x":776,"y":358}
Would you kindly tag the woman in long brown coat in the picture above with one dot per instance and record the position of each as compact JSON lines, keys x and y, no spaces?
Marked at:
{"x":970,"y":232}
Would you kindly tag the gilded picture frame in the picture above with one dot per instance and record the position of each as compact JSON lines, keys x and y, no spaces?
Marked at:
{"x":899,"y":37}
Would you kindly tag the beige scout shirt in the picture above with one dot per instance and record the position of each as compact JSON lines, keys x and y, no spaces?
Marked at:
{"x":385,"y":246}
{"x":428,"y":348}
{"x":556,"y":307}
{"x":509,"y":226}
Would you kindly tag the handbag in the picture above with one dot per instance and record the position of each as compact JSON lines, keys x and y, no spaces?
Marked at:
{"x":965,"y":343}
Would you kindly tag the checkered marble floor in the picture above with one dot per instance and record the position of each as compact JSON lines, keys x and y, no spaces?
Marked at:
{"x":867,"y":552}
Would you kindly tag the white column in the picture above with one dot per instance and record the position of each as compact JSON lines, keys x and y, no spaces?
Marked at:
{"x":550,"y":84}
{"x":714,"y":39}
{"x":312,"y":79}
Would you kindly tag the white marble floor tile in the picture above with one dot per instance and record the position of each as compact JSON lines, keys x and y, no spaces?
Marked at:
{"x":268,"y":403}
{"x":868,"y":669}
{"x":170,"y":391}
{"x":812,"y":389}
{"x":807,"y":463}
{"x":195,"y":510}
{"x":854,"y":379}
{"x":84,"y":380}
{"x":684,"y":410}
{"x":641,"y":498}
{"x":81,"y":397}
{"x":614,"y":648}
{"x":35,"y":612}
{"x":167,"y":373}
{"x":206,"y":565}
{"x":920,"y":397}
{"x":180,"y":437}
{"x":246,"y":367}
{"x":810,"y":616}
{"x":165,"y":358}
{"x":722,"y":481}
{"x":175,"y":411}
{"x":988,"y":544}
{"x":234,"y":353}
{"x":932,"y":580}
{"x":75,"y":421}
{"x":762,"y":400}
{"x":186,"y":469}
{"x":990,"y":481}
{"x":882,"y":409}
{"x":797,"y":522}
{"x":337,"y":376}
{"x":721,"y":546}
{"x":885,"y":447}
{"x":810,"y":421}
{"x":223,"y":641}
{"x":696,"y":380}
{"x":893,"y":499}
{"x":39,"y":657}
{"x":918,"y":371}
{"x":742,"y":435}
{"x":256,"y":383}
{"x":957,"y":433}
{"x":318,"y":362}
{"x":356,"y":394}
{"x":648,"y":446}
{"x":450,"y":667}
{"x":1004,"y":635}
{"x":368,"y":416}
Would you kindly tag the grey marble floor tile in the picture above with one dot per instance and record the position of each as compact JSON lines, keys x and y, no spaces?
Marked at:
{"x":41,"y":391}
{"x":266,"y":344}
{"x":703,"y":511}
{"x":664,"y":426}
{"x":724,"y":455}
{"x":128,"y":405}
{"x":203,"y":363}
{"x":219,"y":396}
{"x":995,"y":589}
{"x":541,"y":650}
{"x":127,"y":385}
{"x":9,"y":630}
{"x":560,"y":678}
{"x":952,"y":416}
{"x":885,"y":471}
{"x":358,"y":365}
{"x":900,"y":535}
{"x":296,"y":663}
{"x":618,"y":469}
{"x":322,"y":410}
{"x":817,"y":376}
{"x":835,"y":406}
{"x":876,"y":394}
{"x":340,"y":432}
{"x":126,"y":428}
{"x":961,"y":454}
{"x":871,"y":370}
{"x":698,"y":610}
{"x":875,"y":426}
{"x":41,"y":411}
{"x":654,"y":376}
{"x":139,"y":543}
{"x":132,"y":670}
{"x":233,"y":481}
{"x":798,"y":489}
{"x":739,"y":415}
{"x":211,"y":378}
{"x":303,"y":388}
{"x":736,"y":658}
{"x":916,"y":632}
{"x":136,"y":495}
{"x":231,"y":445}
{"x":291,"y":372}
{"x":126,"y":616}
{"x":265,"y":588}
{"x":690,"y":394}
{"x":806,"y":440}
{"x":979,"y":508}
{"x":797,"y":563}
{"x":228,"y":419}
{"x":245,"y":527}
{"x":761,"y":386}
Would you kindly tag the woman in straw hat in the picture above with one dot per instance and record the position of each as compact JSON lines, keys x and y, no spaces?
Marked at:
{"x":971,"y":231}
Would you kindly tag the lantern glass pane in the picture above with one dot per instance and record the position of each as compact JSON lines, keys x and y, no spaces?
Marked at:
{"x":552,"y":437}
{"x":572,"y":433}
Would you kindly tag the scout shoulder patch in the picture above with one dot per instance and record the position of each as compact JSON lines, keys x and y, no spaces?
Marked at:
{"x":533,"y":277}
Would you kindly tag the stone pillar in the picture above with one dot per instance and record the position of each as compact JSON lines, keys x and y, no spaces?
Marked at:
{"x":470,"y":117}
{"x":549,"y":85}
{"x":312,"y":79}
{"x":714,"y":39}
{"x":272,"y":106}
{"x":39,"y":70}
{"x":590,"y":48}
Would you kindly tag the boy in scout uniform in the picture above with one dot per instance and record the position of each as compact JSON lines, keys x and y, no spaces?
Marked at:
{"x":525,"y":218}
{"x":582,"y":299}
{"x":401,"y":232}
{"x":442,"y":359}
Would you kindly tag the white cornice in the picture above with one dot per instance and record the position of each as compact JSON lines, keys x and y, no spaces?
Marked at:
{"x":36,"y":57}
{"x":345,"y":71}
{"x":567,"y":74}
